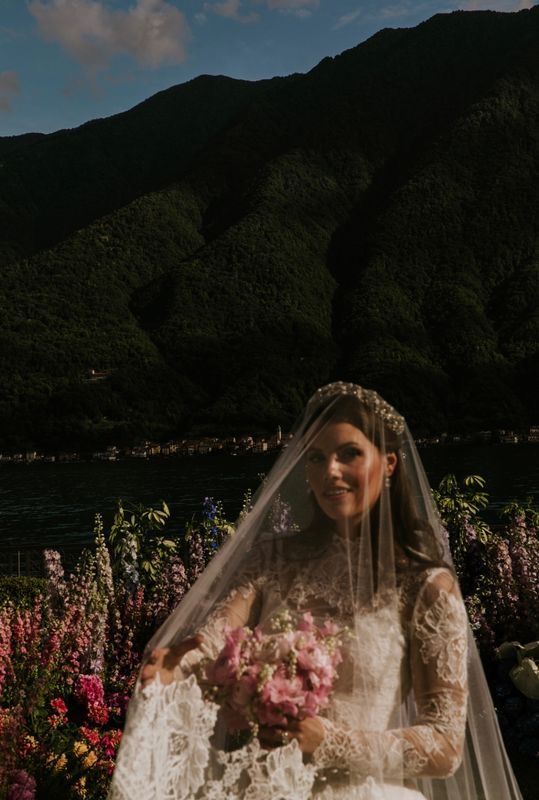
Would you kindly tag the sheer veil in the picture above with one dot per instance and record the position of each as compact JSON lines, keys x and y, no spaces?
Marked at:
{"x":343,"y":527}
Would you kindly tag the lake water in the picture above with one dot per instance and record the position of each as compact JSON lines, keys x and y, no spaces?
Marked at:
{"x":50,"y":505}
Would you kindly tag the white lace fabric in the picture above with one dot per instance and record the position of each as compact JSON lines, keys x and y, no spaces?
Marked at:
{"x":432,"y":746}
{"x":419,"y":640}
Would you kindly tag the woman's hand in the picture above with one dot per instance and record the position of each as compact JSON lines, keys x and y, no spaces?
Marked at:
{"x":164,"y":660}
{"x":309,"y":734}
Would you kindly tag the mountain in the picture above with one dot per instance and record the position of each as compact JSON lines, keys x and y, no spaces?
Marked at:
{"x":225,"y":247}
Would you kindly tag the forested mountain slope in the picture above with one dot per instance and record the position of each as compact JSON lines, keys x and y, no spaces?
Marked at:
{"x":374,"y":219}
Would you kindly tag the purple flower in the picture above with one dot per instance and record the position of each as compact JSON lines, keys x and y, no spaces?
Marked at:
{"x":23,"y":786}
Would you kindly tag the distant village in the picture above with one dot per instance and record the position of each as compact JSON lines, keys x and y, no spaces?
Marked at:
{"x":245,"y":445}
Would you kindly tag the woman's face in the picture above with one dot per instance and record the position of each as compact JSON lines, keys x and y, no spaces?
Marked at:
{"x":346,"y":472}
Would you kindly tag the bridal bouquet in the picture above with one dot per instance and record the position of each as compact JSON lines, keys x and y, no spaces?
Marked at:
{"x":273,"y":678}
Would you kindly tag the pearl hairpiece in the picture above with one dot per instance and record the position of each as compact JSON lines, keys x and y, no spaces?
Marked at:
{"x":367,"y":397}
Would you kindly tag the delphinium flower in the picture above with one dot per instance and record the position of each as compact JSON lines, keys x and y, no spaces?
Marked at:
{"x":125,"y":645}
{"x":21,"y":650}
{"x":54,"y":573}
{"x":169,"y":588}
{"x":215,"y":528}
{"x":129,"y":570}
{"x":90,"y":693}
{"x":23,"y":786}
{"x":247,"y":506}
{"x":6,"y":665}
{"x":103,"y":568}
{"x":12,"y":742}
{"x":211,"y":529}
{"x":102,"y":597}
{"x":503,"y":606}
{"x":523,"y":545}
{"x":67,"y":643}
{"x":177,"y":581}
{"x":469,"y":554}
{"x":196,"y":557}
{"x":483,"y":632}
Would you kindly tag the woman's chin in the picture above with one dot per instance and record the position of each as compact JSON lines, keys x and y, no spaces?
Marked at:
{"x":341,"y":512}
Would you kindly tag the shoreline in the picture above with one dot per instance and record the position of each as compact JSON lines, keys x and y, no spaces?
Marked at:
{"x":242,"y":446}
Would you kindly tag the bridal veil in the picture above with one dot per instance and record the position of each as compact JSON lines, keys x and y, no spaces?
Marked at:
{"x":343,"y":527}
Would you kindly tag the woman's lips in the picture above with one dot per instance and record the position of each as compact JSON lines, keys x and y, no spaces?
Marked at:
{"x":333,"y":495}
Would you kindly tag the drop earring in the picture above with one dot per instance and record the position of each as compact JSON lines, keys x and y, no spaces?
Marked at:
{"x":387,"y":481}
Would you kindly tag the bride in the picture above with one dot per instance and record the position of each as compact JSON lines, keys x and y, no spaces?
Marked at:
{"x":343,"y":527}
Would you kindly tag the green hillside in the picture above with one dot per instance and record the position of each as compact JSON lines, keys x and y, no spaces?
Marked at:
{"x":225,"y":247}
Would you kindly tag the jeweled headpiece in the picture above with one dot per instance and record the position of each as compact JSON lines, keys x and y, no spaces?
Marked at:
{"x":367,"y":397}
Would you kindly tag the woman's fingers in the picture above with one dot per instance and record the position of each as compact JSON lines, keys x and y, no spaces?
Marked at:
{"x":176,"y":652}
{"x":275,"y":737}
{"x":164,"y":660}
{"x":308,"y":733}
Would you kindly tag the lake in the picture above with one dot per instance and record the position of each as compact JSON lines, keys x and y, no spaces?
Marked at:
{"x":50,"y":505}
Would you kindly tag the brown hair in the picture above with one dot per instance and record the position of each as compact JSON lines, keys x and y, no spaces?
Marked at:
{"x":413,"y":534}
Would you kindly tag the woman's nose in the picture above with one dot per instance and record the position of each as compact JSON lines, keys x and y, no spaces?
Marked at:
{"x":333,"y":467}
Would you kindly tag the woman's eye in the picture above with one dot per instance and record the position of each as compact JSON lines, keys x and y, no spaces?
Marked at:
{"x":314,"y":458}
{"x":351,"y":452}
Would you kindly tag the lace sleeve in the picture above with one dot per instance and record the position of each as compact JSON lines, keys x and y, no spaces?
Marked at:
{"x":438,"y":653}
{"x":233,"y":612}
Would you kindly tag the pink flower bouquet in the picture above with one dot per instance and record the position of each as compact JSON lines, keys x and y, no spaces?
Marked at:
{"x":272,"y":678}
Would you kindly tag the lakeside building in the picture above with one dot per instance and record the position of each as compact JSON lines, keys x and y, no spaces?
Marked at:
{"x":233,"y":445}
{"x":533,"y":435}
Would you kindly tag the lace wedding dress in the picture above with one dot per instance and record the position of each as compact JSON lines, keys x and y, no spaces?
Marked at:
{"x":343,"y":526}
{"x":408,"y":649}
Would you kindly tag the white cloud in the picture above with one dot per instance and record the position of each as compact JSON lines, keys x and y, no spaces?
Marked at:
{"x":153,"y":32}
{"x":237,"y":9}
{"x":300,"y":8}
{"x":347,"y":19}
{"x":495,"y":5}
{"x":231,"y":9}
{"x":9,"y":88}
{"x":394,"y":11}
{"x":408,"y":8}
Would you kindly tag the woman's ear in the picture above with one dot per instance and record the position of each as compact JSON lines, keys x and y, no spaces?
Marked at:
{"x":391,"y":463}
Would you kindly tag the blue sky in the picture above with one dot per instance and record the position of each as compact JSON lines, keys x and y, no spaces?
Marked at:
{"x":64,"y":62}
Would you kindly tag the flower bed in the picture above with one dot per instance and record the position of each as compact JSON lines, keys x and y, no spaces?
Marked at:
{"x":69,"y":654}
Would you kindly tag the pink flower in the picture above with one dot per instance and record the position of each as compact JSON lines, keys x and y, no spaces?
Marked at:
{"x":312,"y":705}
{"x":275,"y":648}
{"x":306,"y":623}
{"x":244,"y":689}
{"x":281,"y":697}
{"x":89,"y":689}
{"x":226,"y":667}
{"x":110,"y":742}
{"x":329,"y":628}
{"x":279,"y":676}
